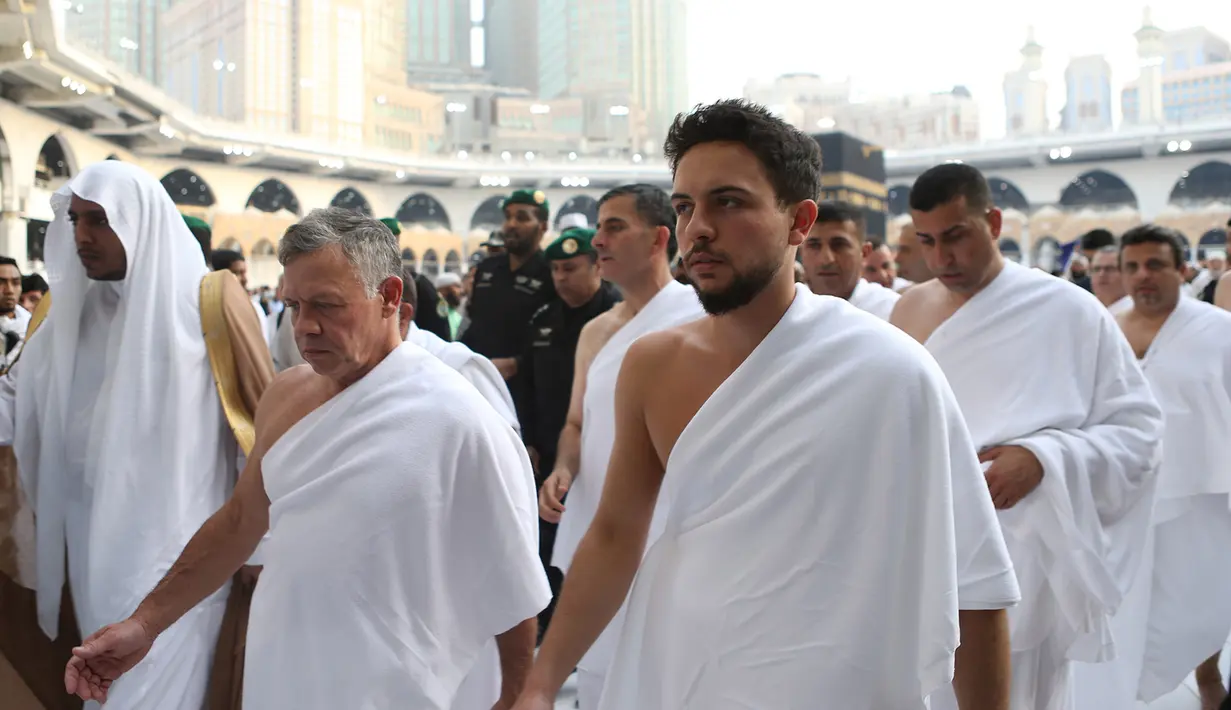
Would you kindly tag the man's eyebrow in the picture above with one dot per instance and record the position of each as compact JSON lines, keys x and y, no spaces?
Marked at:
{"x":715,"y":191}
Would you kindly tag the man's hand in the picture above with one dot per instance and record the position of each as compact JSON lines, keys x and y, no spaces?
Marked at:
{"x":106,"y":655}
{"x":1015,"y":472}
{"x":551,"y":496}
{"x":507,"y":366}
{"x":532,"y":700}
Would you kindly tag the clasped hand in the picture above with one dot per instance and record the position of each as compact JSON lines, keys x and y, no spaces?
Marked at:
{"x":1015,"y":472}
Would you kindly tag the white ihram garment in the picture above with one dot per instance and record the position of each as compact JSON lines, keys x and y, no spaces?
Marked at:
{"x":481,"y":687}
{"x":674,"y":305}
{"x":1039,"y":363}
{"x":403,"y":540}
{"x":874,"y":298}
{"x":478,"y":370}
{"x":121,"y":441}
{"x":1184,"y":612}
{"x":802,"y":567}
{"x":1122,"y":306}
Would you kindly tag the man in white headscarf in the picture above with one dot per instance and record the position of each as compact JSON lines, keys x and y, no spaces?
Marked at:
{"x":127,"y":414}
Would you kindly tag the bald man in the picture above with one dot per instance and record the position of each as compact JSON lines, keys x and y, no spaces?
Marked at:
{"x":879,"y":266}
{"x":911,"y":266}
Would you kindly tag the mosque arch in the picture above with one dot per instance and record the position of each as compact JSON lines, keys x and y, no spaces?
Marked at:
{"x":36,"y":238}
{"x":453,"y":262}
{"x":409,"y":258}
{"x":1212,"y":240}
{"x":425,"y":210}
{"x":113,"y":156}
{"x":1098,"y":188}
{"x":1188,"y":246}
{"x":898,"y":200}
{"x":431,"y":264}
{"x":52,"y":165}
{"x":1046,"y":254}
{"x":231,"y":244}
{"x":1007,"y":196}
{"x":1207,"y":182}
{"x":351,"y":199}
{"x":579,"y":204}
{"x":264,"y":249}
{"x":187,"y":188}
{"x":489,"y":214}
{"x":272,"y":196}
{"x":1011,"y":249}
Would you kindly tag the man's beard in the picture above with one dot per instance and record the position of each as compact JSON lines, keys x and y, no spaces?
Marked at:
{"x":743,"y":288}
{"x":519,"y":245}
{"x":453,"y":300}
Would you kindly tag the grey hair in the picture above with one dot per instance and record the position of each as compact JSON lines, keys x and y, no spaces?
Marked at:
{"x":1109,"y":249}
{"x":368,"y":244}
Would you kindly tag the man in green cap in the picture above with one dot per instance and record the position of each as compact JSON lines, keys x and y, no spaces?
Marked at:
{"x":510,"y":287}
{"x":549,"y":359}
{"x":204,"y":234}
{"x":426,"y":318}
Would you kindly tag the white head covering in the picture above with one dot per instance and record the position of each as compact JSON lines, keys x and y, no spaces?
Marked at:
{"x":448,"y":278}
{"x":158,"y":428}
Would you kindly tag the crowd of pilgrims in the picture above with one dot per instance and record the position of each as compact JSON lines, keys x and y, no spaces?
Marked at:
{"x":525,"y":325}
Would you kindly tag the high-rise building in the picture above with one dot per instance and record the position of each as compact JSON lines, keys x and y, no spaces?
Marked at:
{"x":1185,"y":77}
{"x":446,"y":40}
{"x":806,"y":101}
{"x":925,"y":121}
{"x":624,"y":58}
{"x":1087,"y":107}
{"x":122,"y":31}
{"x":292,"y":67}
{"x":1192,"y":48}
{"x":660,"y":76}
{"x":512,"y":30}
{"x":1025,"y":93}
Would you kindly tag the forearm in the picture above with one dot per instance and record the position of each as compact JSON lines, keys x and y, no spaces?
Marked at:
{"x":516,"y":647}
{"x":981,"y":674}
{"x":594,"y":588}
{"x":568,"y":450}
{"x":220,"y":547}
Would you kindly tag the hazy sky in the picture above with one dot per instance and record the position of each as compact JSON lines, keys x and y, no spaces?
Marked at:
{"x":899,"y":47}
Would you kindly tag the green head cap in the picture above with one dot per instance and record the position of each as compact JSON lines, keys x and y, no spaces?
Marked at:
{"x":534,"y":198}
{"x":197,"y":225}
{"x":573,"y":242}
{"x":393,"y":225}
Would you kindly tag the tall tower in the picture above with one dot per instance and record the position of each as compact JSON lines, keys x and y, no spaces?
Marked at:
{"x":1151,"y":53}
{"x":1025,"y":93}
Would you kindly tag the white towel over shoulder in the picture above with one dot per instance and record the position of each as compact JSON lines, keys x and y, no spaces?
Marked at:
{"x":403,"y":539}
{"x":808,"y":559}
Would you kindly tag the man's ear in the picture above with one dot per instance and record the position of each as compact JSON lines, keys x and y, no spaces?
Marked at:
{"x":391,"y":294}
{"x":406,"y":316}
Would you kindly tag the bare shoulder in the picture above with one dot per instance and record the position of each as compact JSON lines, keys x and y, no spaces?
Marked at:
{"x":596,"y":333}
{"x":915,"y":311}
{"x":658,"y":350}
{"x":601,"y":328}
{"x":919,"y":295}
{"x":1222,"y":292}
{"x":290,"y":397}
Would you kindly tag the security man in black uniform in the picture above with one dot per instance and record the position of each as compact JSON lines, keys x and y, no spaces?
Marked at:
{"x":547,"y":378}
{"x":509,"y":288}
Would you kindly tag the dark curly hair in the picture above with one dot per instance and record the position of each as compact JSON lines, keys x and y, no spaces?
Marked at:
{"x":790,"y":157}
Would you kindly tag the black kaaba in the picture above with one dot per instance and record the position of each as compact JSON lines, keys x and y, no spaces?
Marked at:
{"x":854,"y":172}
